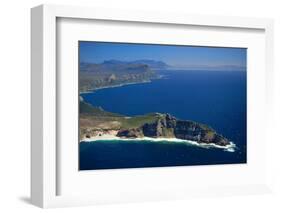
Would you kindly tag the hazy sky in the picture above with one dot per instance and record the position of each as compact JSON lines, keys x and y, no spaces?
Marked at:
{"x":178,"y":56}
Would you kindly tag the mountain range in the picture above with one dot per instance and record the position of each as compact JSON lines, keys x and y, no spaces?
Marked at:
{"x":113,"y":72}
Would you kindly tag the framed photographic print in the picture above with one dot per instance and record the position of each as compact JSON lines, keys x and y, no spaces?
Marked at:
{"x":144,"y":105}
{"x":130,"y":106}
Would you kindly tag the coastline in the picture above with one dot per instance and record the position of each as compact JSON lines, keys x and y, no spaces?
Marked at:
{"x":107,"y":137}
{"x":111,"y":137}
{"x":113,"y":86}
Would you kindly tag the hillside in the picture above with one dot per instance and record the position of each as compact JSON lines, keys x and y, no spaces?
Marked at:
{"x":96,"y":122}
{"x":111,"y":73}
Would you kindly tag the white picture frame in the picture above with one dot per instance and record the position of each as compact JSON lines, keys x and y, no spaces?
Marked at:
{"x":44,"y":154}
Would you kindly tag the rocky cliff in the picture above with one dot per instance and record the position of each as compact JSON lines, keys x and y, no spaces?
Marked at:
{"x":167,"y":126}
{"x":95,"y":121}
{"x":111,"y":73}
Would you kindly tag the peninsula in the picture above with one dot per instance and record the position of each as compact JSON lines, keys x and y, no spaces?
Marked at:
{"x":113,"y":73}
{"x":97,"y":123}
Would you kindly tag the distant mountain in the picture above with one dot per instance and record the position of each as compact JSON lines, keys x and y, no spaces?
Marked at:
{"x":151,"y":63}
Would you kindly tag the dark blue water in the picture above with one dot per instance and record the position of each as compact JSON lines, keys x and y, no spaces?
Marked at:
{"x":217,"y":99}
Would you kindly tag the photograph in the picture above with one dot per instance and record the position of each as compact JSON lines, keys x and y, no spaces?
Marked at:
{"x":161,"y":105}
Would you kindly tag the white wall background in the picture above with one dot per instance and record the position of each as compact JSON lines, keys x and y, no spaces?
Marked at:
{"x":15,"y":99}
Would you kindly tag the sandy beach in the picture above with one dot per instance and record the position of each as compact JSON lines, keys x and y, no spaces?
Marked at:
{"x":230,"y":148}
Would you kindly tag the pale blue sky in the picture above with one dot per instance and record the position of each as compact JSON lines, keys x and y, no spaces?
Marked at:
{"x":178,"y":56}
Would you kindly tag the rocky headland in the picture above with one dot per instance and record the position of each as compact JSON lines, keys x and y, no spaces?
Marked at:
{"x":167,"y":126}
{"x":95,"y":122}
{"x":113,"y":73}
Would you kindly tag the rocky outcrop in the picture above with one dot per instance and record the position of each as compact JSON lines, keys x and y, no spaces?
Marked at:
{"x":89,"y":133}
{"x":131,"y":133}
{"x":163,"y":127}
{"x":94,"y":121}
{"x":168,"y":126}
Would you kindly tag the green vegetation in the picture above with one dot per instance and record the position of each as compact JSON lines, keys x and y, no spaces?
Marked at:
{"x":85,"y":108}
{"x":95,"y":121}
{"x":91,"y":116}
{"x":137,"y":121}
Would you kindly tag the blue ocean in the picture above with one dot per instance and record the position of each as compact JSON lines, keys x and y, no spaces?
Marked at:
{"x":215,"y":98}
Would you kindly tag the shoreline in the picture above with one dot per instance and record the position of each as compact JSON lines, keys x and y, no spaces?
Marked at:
{"x":230,"y":148}
{"x":109,"y":137}
{"x":113,"y":86}
{"x":121,"y":84}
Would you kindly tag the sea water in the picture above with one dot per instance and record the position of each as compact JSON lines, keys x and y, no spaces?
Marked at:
{"x":215,"y":98}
